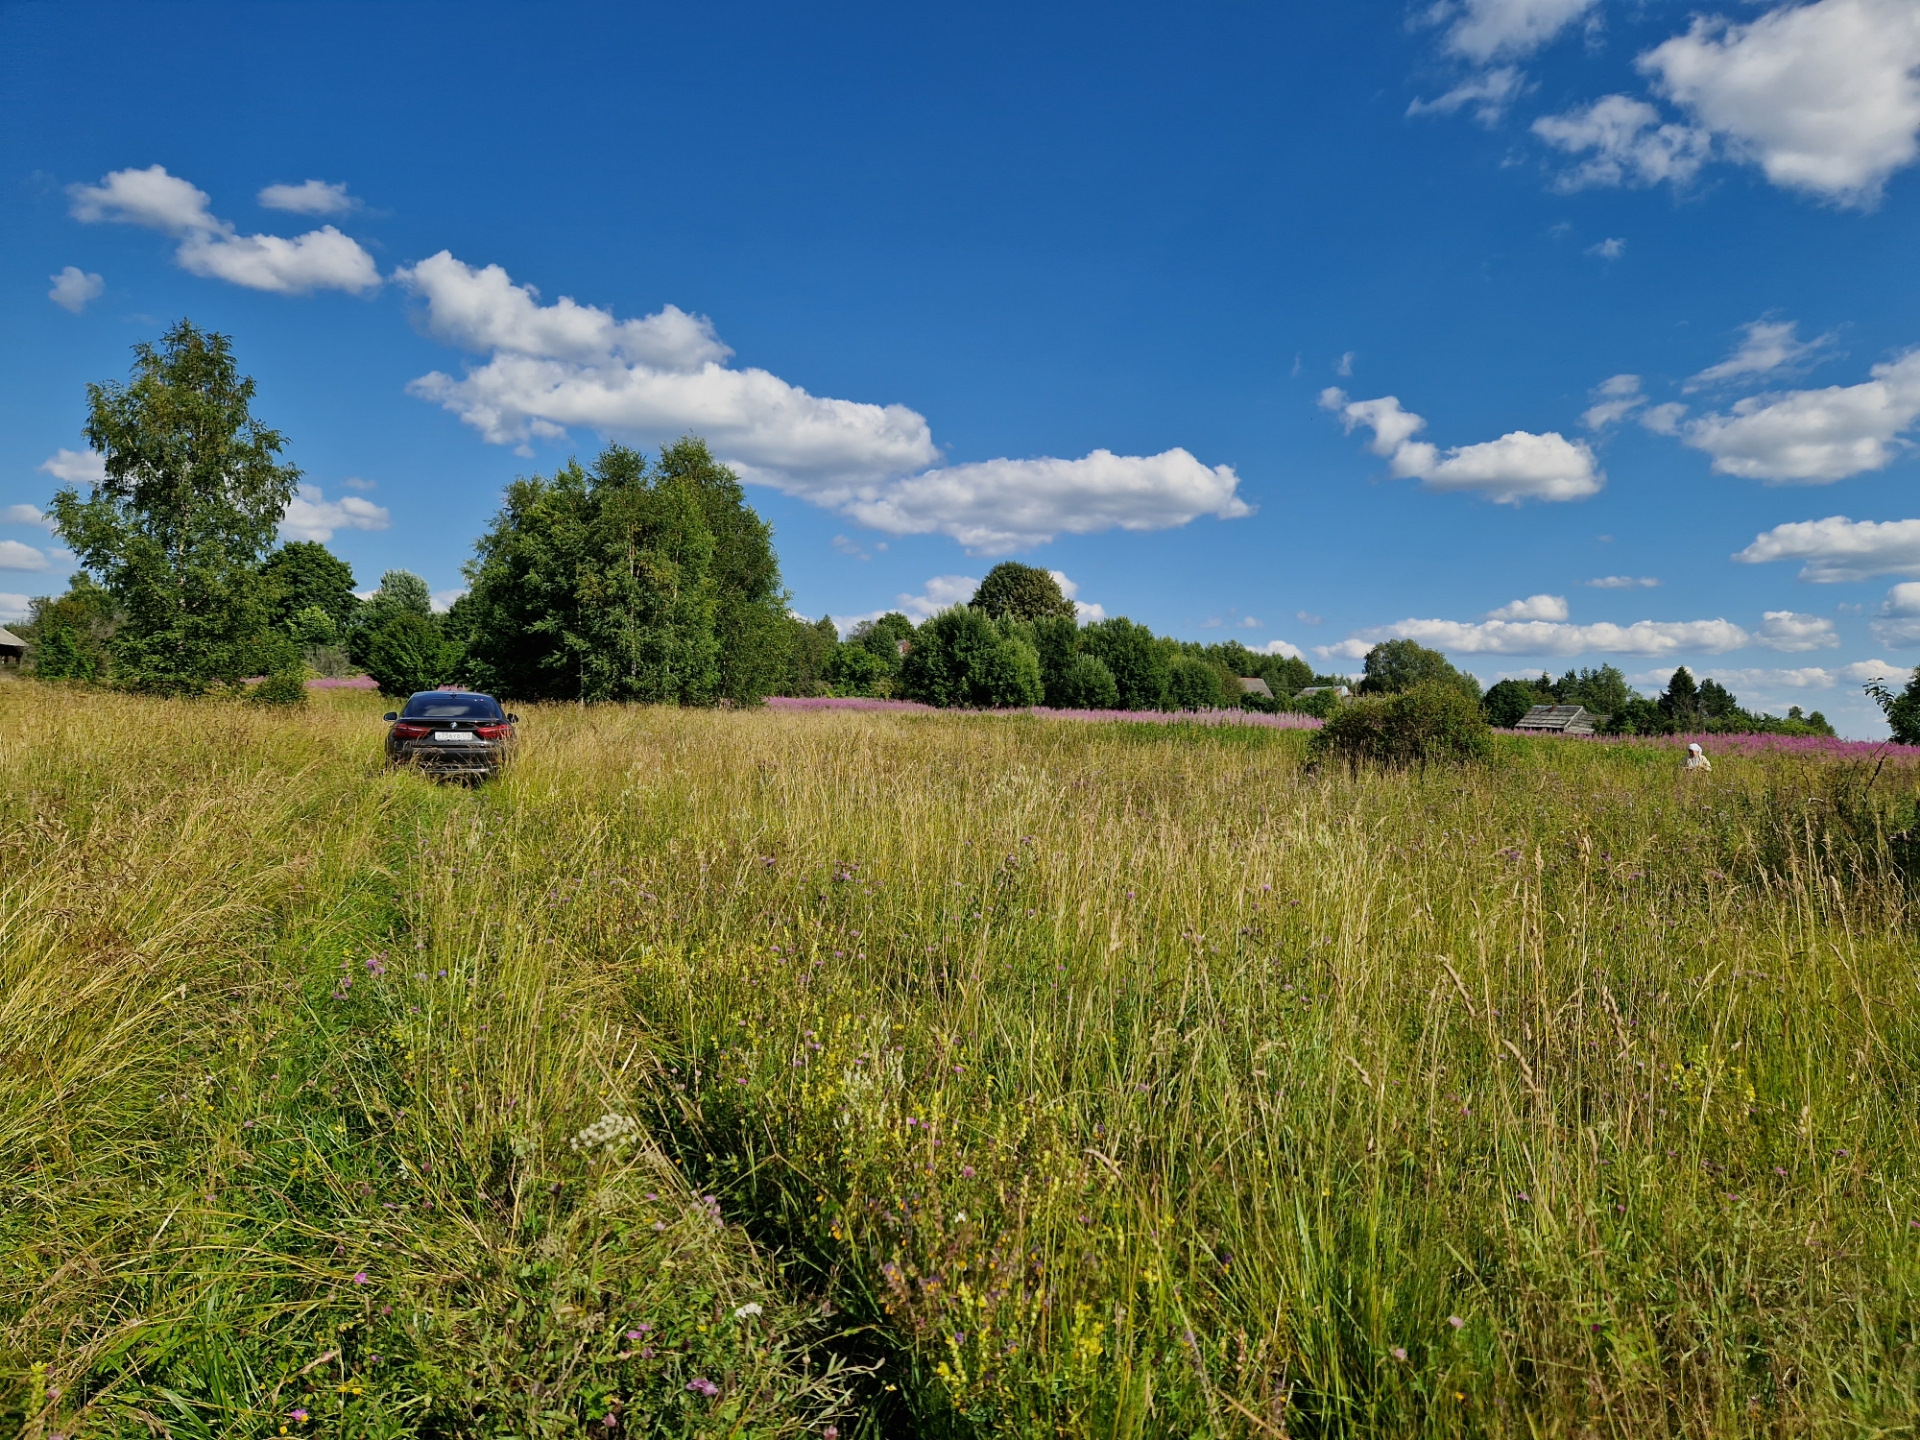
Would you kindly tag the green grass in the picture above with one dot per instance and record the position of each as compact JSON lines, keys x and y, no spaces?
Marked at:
{"x":1033,"y":1078}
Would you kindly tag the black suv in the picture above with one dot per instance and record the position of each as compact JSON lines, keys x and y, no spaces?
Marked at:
{"x":451,"y":732}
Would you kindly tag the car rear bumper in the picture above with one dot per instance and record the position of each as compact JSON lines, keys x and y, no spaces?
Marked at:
{"x":474,"y":757}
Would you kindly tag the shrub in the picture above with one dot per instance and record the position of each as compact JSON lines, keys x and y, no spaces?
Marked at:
{"x":960,"y":657}
{"x":406,"y":652}
{"x":1136,"y":658}
{"x":1087,"y":685}
{"x":855,"y":669}
{"x":1193,"y":685}
{"x":1432,"y":723}
{"x":1321,"y":704}
{"x":282,"y":687}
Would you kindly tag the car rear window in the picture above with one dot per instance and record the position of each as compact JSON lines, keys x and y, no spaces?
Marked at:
{"x":452,"y":707}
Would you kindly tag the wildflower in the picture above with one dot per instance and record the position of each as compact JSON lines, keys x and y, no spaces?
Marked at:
{"x":360,"y":1277}
{"x":298,"y":1416}
{"x":832,"y":1432}
{"x":376,"y":966}
{"x":748,"y":1310}
{"x":608,"y":1420}
{"x":1455,"y":1321}
{"x":1524,"y":1198}
{"x":700,"y":1385}
{"x":966,"y":1172}
{"x":1399,"y":1352}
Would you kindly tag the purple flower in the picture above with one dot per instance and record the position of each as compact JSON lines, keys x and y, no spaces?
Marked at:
{"x":1399,"y":1352}
{"x":832,"y":1432}
{"x":1455,"y":1321}
{"x":700,"y":1385}
{"x":966,"y":1172}
{"x":299,"y":1417}
{"x":360,"y":1277}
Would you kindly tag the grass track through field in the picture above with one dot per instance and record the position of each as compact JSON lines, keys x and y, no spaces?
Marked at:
{"x":1087,"y":1080}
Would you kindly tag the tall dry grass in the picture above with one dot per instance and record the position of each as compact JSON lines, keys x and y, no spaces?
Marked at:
{"x":1050,"y":1079}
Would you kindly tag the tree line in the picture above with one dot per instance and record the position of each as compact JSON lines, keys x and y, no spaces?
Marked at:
{"x":631,"y":580}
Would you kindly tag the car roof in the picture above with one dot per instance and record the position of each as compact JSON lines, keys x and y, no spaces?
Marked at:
{"x":452,"y":695}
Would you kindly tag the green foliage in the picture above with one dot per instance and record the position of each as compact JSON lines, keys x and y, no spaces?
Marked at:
{"x":1434,"y":722}
{"x":1603,"y":691}
{"x":1680,"y":703}
{"x":629,"y":582}
{"x":811,"y":646}
{"x":1139,"y":662}
{"x":1325,"y":701}
{"x":1086,"y":685}
{"x":1396,"y":665}
{"x":1056,"y":640}
{"x":306,"y":575}
{"x":854,"y":669}
{"x":177,"y":529}
{"x":1013,"y":591}
{"x":407,"y":652}
{"x":1508,"y":701}
{"x":286,"y":685}
{"x":313,"y":626}
{"x":1193,"y":684}
{"x":1902,"y":710}
{"x":885,"y":636}
{"x":70,"y":636}
{"x":960,"y":657}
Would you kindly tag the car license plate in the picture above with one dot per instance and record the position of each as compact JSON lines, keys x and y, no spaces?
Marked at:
{"x":453,"y":737}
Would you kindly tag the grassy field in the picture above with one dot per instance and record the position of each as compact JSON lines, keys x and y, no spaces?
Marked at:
{"x":749,"y":1074}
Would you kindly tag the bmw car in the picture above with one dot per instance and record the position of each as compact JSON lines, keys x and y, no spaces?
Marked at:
{"x":455,"y":733}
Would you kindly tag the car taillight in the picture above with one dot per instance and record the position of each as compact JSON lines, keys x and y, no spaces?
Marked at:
{"x":491,"y":732}
{"x":403,"y":731}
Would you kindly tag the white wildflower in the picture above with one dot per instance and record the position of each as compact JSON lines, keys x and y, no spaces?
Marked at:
{"x":610,"y":1130}
{"x":751,"y":1308}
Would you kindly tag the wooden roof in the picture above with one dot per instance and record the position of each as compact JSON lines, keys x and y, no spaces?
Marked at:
{"x":1557,"y":717}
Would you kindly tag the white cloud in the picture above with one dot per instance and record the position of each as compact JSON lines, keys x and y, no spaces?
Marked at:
{"x":322,"y":259}
{"x":1814,"y":437}
{"x":311,"y":516}
{"x":1307,"y":617}
{"x":1534,"y":607}
{"x":1344,"y":366}
{"x":1084,"y":611}
{"x":12,"y":607}
{"x":314,"y":197}
{"x":1787,"y":631}
{"x":1627,"y":144}
{"x":1489,"y":93}
{"x":1548,"y":637}
{"x":1518,"y":466}
{"x":995,"y":506}
{"x":1864,"y":670}
{"x":15,"y":556}
{"x":1898,"y":623}
{"x":1613,"y":400}
{"x":354,"y":482}
{"x":653,"y":379}
{"x":23,"y":515}
{"x":76,"y":466}
{"x":1248,"y":622}
{"x":1609,"y":249}
{"x":1485,"y":29}
{"x":1838,"y":549}
{"x":441,"y":601}
{"x":1664,"y":419}
{"x":1823,"y":97}
{"x":1279,"y":647}
{"x":1624,"y":582}
{"x":74,"y":287}
{"x":1768,"y":346}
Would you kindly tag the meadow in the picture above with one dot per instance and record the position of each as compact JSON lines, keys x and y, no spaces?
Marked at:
{"x":852,"y":1074}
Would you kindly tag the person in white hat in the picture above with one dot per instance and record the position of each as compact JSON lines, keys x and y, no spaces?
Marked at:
{"x":1697,"y":758}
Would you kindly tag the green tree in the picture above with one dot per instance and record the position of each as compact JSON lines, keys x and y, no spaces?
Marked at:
{"x":1087,"y":685}
{"x":306,"y":575}
{"x":1716,"y":701}
{"x":1137,"y":659}
{"x":811,"y":646}
{"x":853,"y":669}
{"x":1507,"y":702}
{"x":1680,"y":703}
{"x":1396,"y":665}
{"x":1902,"y":709}
{"x":70,"y":636}
{"x":960,"y":657}
{"x":1056,"y":640}
{"x":1013,"y":591}
{"x":178,"y":527}
{"x":1603,"y":691}
{"x":1193,"y":684}
{"x":406,"y":652}
{"x":885,"y":636}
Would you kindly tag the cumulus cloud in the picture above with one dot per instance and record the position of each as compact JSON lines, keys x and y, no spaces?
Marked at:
{"x":1769,"y":346}
{"x":1483,"y":30}
{"x":1623,"y":582}
{"x":1613,"y":400}
{"x":1838,"y":549}
{"x":1489,"y":94}
{"x":1864,"y":670}
{"x":311,"y":516}
{"x":441,"y":601}
{"x":1085,"y":611}
{"x":1518,"y":466}
{"x":1787,"y":631}
{"x":553,"y":366}
{"x":322,"y":259}
{"x":313,"y":197}
{"x":1560,"y":638}
{"x":1898,"y":623}
{"x":1609,"y":249}
{"x":1814,"y":437}
{"x":76,"y":467}
{"x":23,"y":515}
{"x":1823,"y":97}
{"x":1534,"y":607}
{"x":1278,"y":647}
{"x":74,"y":287}
{"x":15,"y":556}
{"x":1626,"y":142}
{"x":12,"y":607}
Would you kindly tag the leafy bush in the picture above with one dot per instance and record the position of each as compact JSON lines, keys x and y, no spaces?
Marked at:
{"x":1087,"y":685}
{"x":1321,"y":704}
{"x":1137,"y":659}
{"x":1902,"y":710}
{"x":282,"y":687}
{"x":960,"y":657}
{"x":1432,"y":723}
{"x":1194,"y":685}
{"x":406,"y":652}
{"x":855,"y":669}
{"x":1507,"y":703}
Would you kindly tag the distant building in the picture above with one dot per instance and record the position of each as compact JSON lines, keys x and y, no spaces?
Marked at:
{"x":12,"y":648}
{"x":1560,"y":720}
{"x":1339,"y":690}
{"x":1254,"y":685}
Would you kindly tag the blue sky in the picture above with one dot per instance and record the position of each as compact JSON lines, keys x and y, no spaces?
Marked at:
{"x":1308,"y":325}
